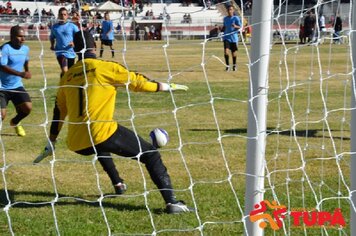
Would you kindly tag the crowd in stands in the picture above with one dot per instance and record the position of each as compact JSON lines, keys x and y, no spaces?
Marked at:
{"x":44,"y":13}
{"x":7,"y":9}
{"x":9,"y":13}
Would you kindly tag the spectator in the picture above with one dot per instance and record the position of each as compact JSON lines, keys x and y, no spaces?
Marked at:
{"x":322,"y":28}
{"x":44,"y":12}
{"x":302,"y":37}
{"x":189,"y":18}
{"x":185,"y":18}
{"x":208,"y":4}
{"x":76,"y":19}
{"x":147,"y":33}
{"x":27,"y":12}
{"x":247,"y":5}
{"x":152,"y":32}
{"x":337,"y":30}
{"x":98,"y":31}
{"x":137,"y":32}
{"x":118,"y":28}
{"x":9,"y":4}
{"x":2,"y":10}
{"x":309,"y":25}
{"x":98,"y":16}
{"x":214,"y":32}
{"x":92,"y":29}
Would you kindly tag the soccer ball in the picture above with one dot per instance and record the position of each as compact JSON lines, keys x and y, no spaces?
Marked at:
{"x":159,"y":137}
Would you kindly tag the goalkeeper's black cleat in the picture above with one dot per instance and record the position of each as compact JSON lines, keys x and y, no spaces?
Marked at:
{"x":178,"y":207}
{"x":120,"y":188}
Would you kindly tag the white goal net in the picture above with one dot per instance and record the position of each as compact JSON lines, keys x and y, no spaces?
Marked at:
{"x":303,"y":137}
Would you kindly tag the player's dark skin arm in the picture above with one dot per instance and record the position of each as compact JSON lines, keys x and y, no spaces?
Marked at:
{"x":237,"y":27}
{"x":52,"y":44}
{"x":24,"y":74}
{"x":59,"y":115}
{"x":53,"y":137}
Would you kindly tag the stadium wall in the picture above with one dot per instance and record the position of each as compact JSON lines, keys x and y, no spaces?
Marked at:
{"x":202,"y":20}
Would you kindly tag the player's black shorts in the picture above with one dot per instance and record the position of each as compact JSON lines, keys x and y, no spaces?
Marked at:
{"x":106,"y":42}
{"x":17,"y":96}
{"x":123,"y":143}
{"x":63,"y":61}
{"x":231,"y":46}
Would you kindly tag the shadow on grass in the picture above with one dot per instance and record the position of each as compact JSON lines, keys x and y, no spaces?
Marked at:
{"x":5,"y":134}
{"x":311,"y":133}
{"x":65,"y":200}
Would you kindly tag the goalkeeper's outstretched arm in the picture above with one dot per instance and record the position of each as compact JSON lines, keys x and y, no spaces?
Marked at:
{"x":139,"y":82}
{"x":59,"y":114}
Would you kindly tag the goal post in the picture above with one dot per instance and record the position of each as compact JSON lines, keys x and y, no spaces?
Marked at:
{"x":257,"y":108}
{"x":353,"y":122}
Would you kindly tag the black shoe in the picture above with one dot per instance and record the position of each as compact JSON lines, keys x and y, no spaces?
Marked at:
{"x":227,"y":68}
{"x":179,"y":207}
{"x":120,"y":188}
{"x":234,"y":68}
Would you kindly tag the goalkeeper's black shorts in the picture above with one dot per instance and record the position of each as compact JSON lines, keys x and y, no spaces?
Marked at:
{"x":124,"y":143}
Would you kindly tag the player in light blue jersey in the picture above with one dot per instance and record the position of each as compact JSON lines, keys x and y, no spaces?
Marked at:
{"x":14,"y":58}
{"x":61,"y":38}
{"x":107,"y":34}
{"x":232,"y":24}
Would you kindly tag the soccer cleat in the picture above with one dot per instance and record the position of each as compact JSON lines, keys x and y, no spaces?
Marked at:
{"x":234,"y":68}
{"x":120,"y":188}
{"x":227,"y":68}
{"x":179,"y":207}
{"x":20,"y":131}
{"x":46,"y":152}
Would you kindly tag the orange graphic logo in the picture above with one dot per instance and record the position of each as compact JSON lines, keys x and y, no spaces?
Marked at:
{"x":260,"y":213}
{"x":308,"y":218}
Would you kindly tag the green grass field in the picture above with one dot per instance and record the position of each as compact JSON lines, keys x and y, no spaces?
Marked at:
{"x":206,"y":155}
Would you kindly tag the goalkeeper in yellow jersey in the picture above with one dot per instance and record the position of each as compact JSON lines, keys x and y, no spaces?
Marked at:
{"x":87,"y":96}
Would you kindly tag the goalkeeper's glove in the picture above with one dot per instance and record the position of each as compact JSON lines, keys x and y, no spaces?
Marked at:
{"x":173,"y":87}
{"x":47,"y":151}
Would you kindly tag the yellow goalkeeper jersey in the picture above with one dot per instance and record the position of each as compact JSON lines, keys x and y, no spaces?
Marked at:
{"x":87,"y":96}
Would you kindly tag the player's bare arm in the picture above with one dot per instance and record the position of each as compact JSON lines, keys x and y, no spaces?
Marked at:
{"x":9,"y":70}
